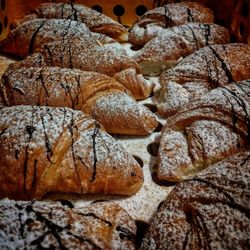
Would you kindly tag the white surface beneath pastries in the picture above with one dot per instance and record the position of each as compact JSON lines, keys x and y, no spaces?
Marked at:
{"x":144,"y":203}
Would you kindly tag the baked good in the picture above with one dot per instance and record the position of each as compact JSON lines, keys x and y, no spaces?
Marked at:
{"x":45,"y":149}
{"x":208,"y":211}
{"x":32,"y":34}
{"x":94,"y":20}
{"x":56,"y":225}
{"x":156,"y":20}
{"x":98,"y":95}
{"x":206,"y":131}
{"x":90,"y":57}
{"x":175,"y":43}
{"x":210,"y":67}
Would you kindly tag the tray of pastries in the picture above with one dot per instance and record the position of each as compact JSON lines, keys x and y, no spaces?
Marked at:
{"x":125,"y":131}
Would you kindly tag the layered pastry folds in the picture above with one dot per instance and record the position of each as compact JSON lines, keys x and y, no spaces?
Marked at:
{"x":58,"y":225}
{"x":154,"y":21}
{"x":208,"y":68}
{"x":208,"y":211}
{"x":206,"y":131}
{"x":95,"y":21}
{"x":46,"y":149}
{"x":175,"y":43}
{"x":98,"y":95}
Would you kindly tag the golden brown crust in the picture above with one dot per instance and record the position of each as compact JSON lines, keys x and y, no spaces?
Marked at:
{"x":95,"y":21}
{"x":102,"y":225}
{"x":32,"y":34}
{"x":210,"y":67}
{"x":89,"y":57}
{"x":175,"y":43}
{"x":156,"y":20}
{"x":208,"y":211}
{"x":206,"y":131}
{"x":46,"y":149}
{"x":100,"y":96}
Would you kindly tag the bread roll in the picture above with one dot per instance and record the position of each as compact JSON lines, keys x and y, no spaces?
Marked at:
{"x":156,"y":20}
{"x":206,"y":131}
{"x":98,"y":95}
{"x":95,"y":21}
{"x":31,"y":35}
{"x":208,"y":68}
{"x":54,"y":225}
{"x":46,"y":149}
{"x":175,"y":43}
{"x":208,"y":211}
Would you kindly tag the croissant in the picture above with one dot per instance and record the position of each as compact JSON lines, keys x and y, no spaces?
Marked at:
{"x":45,"y":149}
{"x":94,"y":20}
{"x":58,"y":225}
{"x":208,"y":211}
{"x":168,"y":47}
{"x":90,"y":57}
{"x":32,"y":34}
{"x":156,"y":20}
{"x":210,"y":67}
{"x":206,"y":131}
{"x":96,"y":94}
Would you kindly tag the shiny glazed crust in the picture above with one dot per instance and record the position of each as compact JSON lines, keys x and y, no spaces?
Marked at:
{"x":55,"y":225}
{"x":156,"y":20}
{"x":46,"y":149}
{"x":208,"y":211}
{"x":206,"y":131}
{"x":99,"y":95}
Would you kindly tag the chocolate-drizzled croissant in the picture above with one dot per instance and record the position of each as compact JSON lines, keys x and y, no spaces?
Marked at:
{"x":206,"y":131}
{"x":96,"y":94}
{"x":56,"y":225}
{"x":95,"y":21}
{"x":46,"y":149}
{"x":156,"y":20}
{"x":89,"y":57}
{"x":208,"y":68}
{"x":208,"y":211}
{"x":32,"y":34}
{"x":177,"y":42}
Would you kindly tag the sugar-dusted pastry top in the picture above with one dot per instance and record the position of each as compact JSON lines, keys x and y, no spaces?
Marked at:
{"x":99,"y":95}
{"x":95,"y":21}
{"x":46,"y":149}
{"x":91,"y":57}
{"x":57,"y":225}
{"x":206,"y":131}
{"x":208,"y":68}
{"x":32,"y":34}
{"x":175,"y":43}
{"x":156,"y":20}
{"x":209,"y":211}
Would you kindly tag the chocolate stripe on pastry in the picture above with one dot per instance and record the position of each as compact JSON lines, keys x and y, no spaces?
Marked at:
{"x":46,"y":149}
{"x":95,"y":21}
{"x":175,"y":43}
{"x":209,"y":211}
{"x":208,"y":68}
{"x":206,"y":131}
{"x":99,"y":95}
{"x":42,"y":225}
{"x":91,"y":57}
{"x":32,"y":34}
{"x":156,"y":20}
